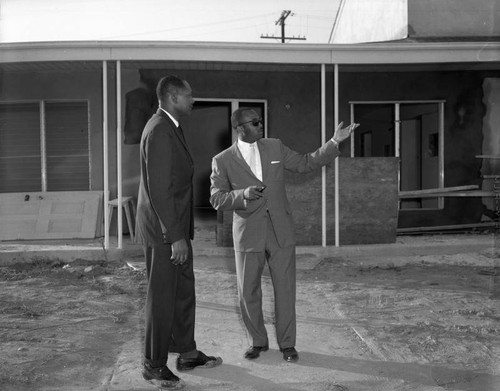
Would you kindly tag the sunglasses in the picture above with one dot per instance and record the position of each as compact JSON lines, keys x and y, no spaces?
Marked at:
{"x":255,"y":122}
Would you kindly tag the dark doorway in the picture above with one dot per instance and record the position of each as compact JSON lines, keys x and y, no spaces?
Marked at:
{"x":208,"y":131}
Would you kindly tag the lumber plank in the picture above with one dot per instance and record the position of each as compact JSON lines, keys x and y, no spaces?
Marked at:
{"x":416,"y":193}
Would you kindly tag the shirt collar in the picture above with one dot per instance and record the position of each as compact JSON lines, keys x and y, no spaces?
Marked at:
{"x":176,"y":123}
{"x":246,"y":146}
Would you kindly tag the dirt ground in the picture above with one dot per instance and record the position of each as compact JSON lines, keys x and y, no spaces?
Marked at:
{"x":429,"y":324}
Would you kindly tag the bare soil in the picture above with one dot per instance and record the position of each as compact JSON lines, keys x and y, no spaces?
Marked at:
{"x":63,"y":326}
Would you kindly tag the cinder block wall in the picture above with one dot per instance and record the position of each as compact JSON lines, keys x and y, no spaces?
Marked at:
{"x":368,"y":196}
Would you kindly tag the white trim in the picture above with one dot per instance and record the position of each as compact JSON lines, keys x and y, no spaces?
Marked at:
{"x":352,"y":137}
{"x":43,"y":145}
{"x":441,"y":152}
{"x":397,"y":130}
{"x":381,"y":102}
{"x":364,"y":53}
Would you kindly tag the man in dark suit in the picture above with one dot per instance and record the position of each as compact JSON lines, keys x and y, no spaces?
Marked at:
{"x":165,"y":228}
{"x":248,"y":178}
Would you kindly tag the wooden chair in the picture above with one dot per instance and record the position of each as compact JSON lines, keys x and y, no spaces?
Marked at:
{"x":129,"y":207}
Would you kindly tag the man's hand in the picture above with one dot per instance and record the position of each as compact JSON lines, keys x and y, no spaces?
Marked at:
{"x":253,"y":192}
{"x":342,"y":133}
{"x":180,"y":252}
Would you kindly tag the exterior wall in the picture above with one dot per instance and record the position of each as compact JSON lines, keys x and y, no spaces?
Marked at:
{"x":453,"y":18}
{"x":293,"y":115}
{"x":82,"y":85}
{"x":298,"y":126}
{"x":462,"y":138}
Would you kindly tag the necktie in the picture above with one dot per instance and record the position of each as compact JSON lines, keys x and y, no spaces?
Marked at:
{"x":252,"y":159}
{"x":181,"y":133}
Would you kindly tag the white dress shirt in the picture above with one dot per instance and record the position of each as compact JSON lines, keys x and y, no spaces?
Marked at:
{"x":176,"y":123}
{"x":245,"y":149}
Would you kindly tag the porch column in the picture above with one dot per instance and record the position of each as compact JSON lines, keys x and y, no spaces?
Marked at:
{"x":105,"y":150}
{"x":323,"y":141}
{"x":119,"y":214}
{"x":335,"y":122}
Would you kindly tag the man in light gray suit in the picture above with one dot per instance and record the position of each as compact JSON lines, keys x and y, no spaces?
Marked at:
{"x":248,"y":178}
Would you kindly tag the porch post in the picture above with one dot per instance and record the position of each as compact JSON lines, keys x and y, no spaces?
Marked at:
{"x":323,"y":169}
{"x":336,"y":121}
{"x":105,"y":150}
{"x":119,"y":213}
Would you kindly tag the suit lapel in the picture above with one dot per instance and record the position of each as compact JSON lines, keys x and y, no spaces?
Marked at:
{"x":177,"y":131}
{"x":264,"y":158}
{"x":238,"y":158}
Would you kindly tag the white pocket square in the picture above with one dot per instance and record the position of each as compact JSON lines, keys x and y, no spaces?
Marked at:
{"x":275,"y":161}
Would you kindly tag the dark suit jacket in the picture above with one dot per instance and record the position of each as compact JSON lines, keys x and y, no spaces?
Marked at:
{"x":165,"y":201}
{"x":231,"y":175}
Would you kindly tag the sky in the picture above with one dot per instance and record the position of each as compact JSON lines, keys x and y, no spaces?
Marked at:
{"x":165,"y":20}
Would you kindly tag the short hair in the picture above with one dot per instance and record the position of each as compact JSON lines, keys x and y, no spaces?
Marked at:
{"x":169,"y":85}
{"x":238,"y":115}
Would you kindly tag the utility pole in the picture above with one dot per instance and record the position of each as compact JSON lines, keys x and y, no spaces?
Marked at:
{"x":281,"y":21}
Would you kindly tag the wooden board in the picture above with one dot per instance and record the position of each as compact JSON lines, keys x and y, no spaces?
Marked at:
{"x":419,"y":193}
{"x":471,"y":193}
{"x":50,"y":215}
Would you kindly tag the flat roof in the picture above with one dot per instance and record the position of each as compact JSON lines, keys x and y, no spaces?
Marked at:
{"x":254,"y":53}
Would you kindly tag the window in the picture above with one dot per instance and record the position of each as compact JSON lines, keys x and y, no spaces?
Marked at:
{"x":20,"y":156}
{"x":412,"y":131}
{"x":44,"y":146}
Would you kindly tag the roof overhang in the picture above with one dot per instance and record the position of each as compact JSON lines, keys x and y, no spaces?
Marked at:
{"x":373,"y":53}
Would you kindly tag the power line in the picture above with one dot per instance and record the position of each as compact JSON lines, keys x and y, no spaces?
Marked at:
{"x":281,"y":21}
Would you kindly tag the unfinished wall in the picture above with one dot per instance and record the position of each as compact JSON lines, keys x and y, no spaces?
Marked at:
{"x":368,"y":198}
{"x":463,"y":122}
{"x":490,"y":168}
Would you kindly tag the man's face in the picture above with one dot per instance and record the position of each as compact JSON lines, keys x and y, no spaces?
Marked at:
{"x":184,"y":100}
{"x":251,"y":128}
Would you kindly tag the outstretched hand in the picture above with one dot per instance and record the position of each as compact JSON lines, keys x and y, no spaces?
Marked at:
{"x":342,"y":133}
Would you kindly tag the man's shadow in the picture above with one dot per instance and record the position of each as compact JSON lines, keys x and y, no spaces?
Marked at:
{"x":415,"y":374}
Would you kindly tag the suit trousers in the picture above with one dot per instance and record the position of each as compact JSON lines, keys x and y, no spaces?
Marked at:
{"x":170,"y":305}
{"x":282,"y":267}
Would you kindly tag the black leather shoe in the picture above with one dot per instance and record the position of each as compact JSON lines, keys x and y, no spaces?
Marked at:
{"x":162,"y":377}
{"x":202,"y":360}
{"x":254,"y":351}
{"x":290,"y":354}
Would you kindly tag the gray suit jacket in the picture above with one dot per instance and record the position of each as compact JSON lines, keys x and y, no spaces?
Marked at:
{"x":165,"y":200}
{"x":231,"y":175}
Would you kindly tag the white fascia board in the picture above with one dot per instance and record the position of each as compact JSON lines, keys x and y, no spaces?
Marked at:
{"x":373,"y":53}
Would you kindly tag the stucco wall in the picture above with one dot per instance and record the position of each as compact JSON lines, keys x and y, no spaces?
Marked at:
{"x":293,"y":116}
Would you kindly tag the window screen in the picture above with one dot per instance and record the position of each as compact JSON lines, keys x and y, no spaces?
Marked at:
{"x":20,"y":154}
{"x":67,"y":144}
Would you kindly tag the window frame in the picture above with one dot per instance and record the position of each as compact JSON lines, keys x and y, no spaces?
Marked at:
{"x":43,"y":134}
{"x":397,"y":142}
